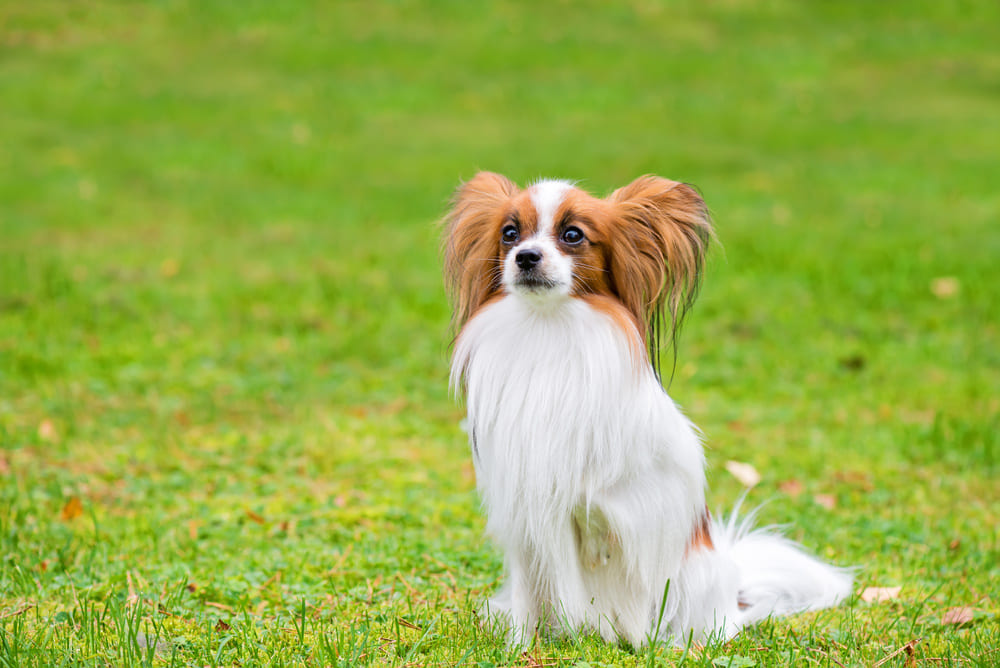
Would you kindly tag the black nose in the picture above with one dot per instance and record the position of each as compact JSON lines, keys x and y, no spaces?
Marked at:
{"x":528,"y":258}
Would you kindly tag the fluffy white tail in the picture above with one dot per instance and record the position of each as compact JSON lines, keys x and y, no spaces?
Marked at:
{"x":776,"y":577}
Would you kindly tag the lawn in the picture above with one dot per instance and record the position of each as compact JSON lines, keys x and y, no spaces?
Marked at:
{"x":226,"y":436}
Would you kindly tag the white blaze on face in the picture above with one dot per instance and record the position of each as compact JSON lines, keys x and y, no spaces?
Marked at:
{"x":547,"y":196}
{"x":554,"y":267}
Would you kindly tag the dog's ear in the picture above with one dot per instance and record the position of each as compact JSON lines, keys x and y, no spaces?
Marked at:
{"x":657,"y":252}
{"x":472,"y":242}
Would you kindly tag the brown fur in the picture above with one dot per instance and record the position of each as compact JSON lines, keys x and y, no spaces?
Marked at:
{"x":472,"y":264}
{"x":660,"y":253}
{"x":701,"y":537}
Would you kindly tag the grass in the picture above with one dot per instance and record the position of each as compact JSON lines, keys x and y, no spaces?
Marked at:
{"x":225,"y":432}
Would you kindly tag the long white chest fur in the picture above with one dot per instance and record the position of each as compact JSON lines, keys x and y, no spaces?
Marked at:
{"x":591,"y":477}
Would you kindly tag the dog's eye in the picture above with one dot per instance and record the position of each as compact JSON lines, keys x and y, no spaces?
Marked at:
{"x":572,"y":236}
{"x":509,"y":234}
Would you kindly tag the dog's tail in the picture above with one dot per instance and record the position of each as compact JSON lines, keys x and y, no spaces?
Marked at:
{"x":775,"y":575}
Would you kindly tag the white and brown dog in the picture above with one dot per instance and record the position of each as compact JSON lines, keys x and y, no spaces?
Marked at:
{"x":592,"y":480}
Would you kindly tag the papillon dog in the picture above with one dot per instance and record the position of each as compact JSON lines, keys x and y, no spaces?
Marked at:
{"x":592,"y":479}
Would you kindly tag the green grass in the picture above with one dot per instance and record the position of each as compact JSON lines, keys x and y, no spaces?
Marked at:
{"x":223,"y":330}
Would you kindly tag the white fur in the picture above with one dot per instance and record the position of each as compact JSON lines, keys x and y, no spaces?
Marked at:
{"x":593,"y":483}
{"x":546,"y":196}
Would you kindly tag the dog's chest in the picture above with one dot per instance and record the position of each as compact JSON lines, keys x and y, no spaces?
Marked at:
{"x":554,"y":396}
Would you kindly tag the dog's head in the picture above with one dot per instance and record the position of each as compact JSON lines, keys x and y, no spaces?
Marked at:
{"x":642,"y":246}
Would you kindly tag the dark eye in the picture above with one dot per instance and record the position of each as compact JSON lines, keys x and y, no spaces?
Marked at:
{"x":572,"y":236}
{"x":509,"y":234}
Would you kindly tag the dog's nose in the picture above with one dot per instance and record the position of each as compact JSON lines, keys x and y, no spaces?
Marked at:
{"x":528,"y":258}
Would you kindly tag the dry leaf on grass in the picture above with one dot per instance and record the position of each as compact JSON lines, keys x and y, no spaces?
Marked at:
{"x":878,"y":594}
{"x":792,"y":488}
{"x":945,"y":287}
{"x":828,"y":501}
{"x":745,"y":473}
{"x":858,"y":479}
{"x":72,"y":509}
{"x":169,"y":267}
{"x":958,"y":616}
{"x":47,"y":430}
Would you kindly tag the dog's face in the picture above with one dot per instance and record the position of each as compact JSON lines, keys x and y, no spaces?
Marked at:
{"x":554,"y":242}
{"x":643,"y":246}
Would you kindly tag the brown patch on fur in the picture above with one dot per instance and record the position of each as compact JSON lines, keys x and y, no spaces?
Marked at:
{"x":522,"y":214}
{"x":472,"y":262}
{"x":474,"y":253}
{"x":658,"y":250}
{"x":590,"y":258}
{"x":701,"y":537}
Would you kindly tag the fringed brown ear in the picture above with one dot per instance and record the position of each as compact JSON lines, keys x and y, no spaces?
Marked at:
{"x":472,"y":242}
{"x":657,"y":252}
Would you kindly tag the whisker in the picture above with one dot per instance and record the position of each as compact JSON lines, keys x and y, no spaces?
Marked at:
{"x":589,"y":266}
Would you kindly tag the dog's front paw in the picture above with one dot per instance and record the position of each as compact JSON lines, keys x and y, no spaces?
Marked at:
{"x":497,"y":617}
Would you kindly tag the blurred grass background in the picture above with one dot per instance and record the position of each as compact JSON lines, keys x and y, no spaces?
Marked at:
{"x":223,"y":331}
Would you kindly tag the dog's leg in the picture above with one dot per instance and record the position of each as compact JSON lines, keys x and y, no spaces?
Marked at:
{"x":644,"y":528}
{"x":514,"y":610}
